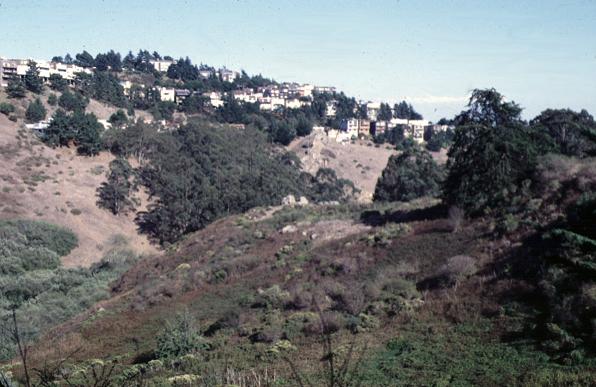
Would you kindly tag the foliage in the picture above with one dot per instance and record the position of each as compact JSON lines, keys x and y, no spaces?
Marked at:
{"x":439,"y":140}
{"x":6,"y":108}
{"x":57,"y":82}
{"x":103,"y":86}
{"x":80,"y":128}
{"x":410,"y":175}
{"x":114,"y":194}
{"x":72,"y":101}
{"x":179,"y":337}
{"x":35,"y":111}
{"x":492,"y":154}
{"x":567,"y":280}
{"x":52,"y":100}
{"x":16,"y":88}
{"x":405,"y":111}
{"x":201,"y":173}
{"x":567,"y":132}
{"x":118,"y":119}
{"x":34,"y":284}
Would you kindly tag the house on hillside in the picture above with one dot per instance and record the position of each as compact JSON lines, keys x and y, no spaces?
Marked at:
{"x":167,"y":94}
{"x":162,"y":65}
{"x":180,"y":95}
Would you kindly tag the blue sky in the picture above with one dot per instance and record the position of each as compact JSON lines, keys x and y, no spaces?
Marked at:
{"x":539,"y":53}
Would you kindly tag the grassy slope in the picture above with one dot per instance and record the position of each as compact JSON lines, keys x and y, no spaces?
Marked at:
{"x":462,"y":335}
{"x":58,"y":186}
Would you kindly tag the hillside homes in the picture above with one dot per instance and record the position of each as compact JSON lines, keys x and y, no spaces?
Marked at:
{"x":10,"y":68}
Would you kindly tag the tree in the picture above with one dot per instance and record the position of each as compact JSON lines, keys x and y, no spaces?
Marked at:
{"x":33,"y":81}
{"x":16,"y":88}
{"x":72,"y":101}
{"x":491,"y":155}
{"x":303,"y":126}
{"x":408,"y":176}
{"x":114,"y":194}
{"x":404,"y":110}
{"x":58,"y":83}
{"x":568,"y":132}
{"x":84,"y":59}
{"x":183,"y":70}
{"x":385,"y":113}
{"x":118,"y":119}
{"x":59,"y":132}
{"x":52,"y":99}
{"x":79,"y":128}
{"x":88,"y":133}
{"x":36,"y":111}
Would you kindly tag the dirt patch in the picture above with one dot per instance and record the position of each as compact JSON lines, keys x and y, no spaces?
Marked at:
{"x":360,"y":161}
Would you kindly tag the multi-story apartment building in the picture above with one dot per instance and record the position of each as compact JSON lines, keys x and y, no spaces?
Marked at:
{"x":10,"y":68}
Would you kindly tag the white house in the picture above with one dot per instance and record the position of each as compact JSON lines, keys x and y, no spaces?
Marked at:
{"x":167,"y":94}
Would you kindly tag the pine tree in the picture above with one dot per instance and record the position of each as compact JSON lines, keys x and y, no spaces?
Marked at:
{"x":33,"y":81}
{"x":36,"y":111}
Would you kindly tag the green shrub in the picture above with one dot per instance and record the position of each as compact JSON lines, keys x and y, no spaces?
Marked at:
{"x":179,"y":337}
{"x":6,"y":108}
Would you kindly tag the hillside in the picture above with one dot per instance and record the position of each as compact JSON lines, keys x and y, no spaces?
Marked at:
{"x":393,"y":283}
{"x":360,"y":161}
{"x":58,"y":186}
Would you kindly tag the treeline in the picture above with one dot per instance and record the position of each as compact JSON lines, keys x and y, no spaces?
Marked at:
{"x":533,"y":181}
{"x":201,"y":172}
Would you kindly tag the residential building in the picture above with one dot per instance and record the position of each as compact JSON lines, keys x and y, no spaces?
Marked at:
{"x":162,"y":65}
{"x":363,"y":128}
{"x":10,"y":68}
{"x":349,"y":126}
{"x":180,"y":95}
{"x":228,"y":75}
{"x":324,"y":89}
{"x":372,"y":109}
{"x":167,"y":94}
{"x":215,"y":98}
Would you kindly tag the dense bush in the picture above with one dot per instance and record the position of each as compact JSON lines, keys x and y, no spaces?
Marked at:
{"x":179,"y":337}
{"x":41,"y":292}
{"x":568,"y":278}
{"x":408,"y":176}
{"x":6,"y":108}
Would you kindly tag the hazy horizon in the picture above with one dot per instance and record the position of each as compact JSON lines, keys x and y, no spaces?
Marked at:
{"x":432,"y":54}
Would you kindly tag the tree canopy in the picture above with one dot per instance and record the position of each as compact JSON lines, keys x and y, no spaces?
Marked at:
{"x":492,"y":154}
{"x":408,"y":176}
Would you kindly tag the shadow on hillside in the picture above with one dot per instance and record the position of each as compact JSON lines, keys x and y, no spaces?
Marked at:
{"x":377,"y":218}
